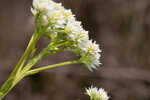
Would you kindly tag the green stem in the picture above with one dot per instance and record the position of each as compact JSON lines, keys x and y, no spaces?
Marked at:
{"x":34,"y":71}
{"x":30,"y":46}
{"x":11,"y":82}
{"x":19,"y":72}
{"x":7,"y":86}
{"x":32,"y":63}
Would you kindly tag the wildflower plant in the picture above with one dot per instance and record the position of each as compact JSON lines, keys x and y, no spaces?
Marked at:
{"x":64,"y":32}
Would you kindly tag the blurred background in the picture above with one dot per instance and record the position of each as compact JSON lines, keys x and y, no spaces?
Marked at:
{"x":121,"y":27}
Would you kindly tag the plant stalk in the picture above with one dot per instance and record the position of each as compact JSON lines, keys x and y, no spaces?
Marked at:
{"x":8,"y":84}
{"x":37,"y":70}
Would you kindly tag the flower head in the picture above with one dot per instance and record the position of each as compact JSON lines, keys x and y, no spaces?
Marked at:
{"x":97,"y":94}
{"x":92,"y":55}
{"x":61,"y":25}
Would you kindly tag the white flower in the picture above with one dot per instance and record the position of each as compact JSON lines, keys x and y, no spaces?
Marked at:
{"x":40,"y":4}
{"x":83,"y":40}
{"x":97,"y":94}
{"x":92,"y":55}
{"x":51,"y":11}
{"x":60,"y":20}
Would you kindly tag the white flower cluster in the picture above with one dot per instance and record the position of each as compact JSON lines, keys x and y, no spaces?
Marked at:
{"x":92,"y":56}
{"x":97,"y":94}
{"x":59,"y":18}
